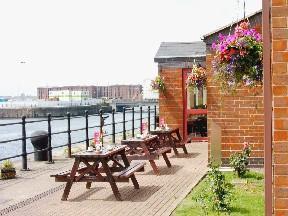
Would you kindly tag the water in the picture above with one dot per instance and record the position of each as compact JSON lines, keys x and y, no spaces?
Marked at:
{"x":15,"y":131}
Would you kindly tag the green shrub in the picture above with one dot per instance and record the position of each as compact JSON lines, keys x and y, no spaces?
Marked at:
{"x":239,"y":161}
{"x":220,"y":190}
{"x":218,"y":195}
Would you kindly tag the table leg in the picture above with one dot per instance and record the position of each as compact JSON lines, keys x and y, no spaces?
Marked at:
{"x":127,"y":164}
{"x":185,"y":149}
{"x":111,"y":179}
{"x":172,"y":144}
{"x":71,"y":179}
{"x":95,"y":166}
{"x":154,"y":167}
{"x":88,"y":185}
{"x":166,"y":159}
{"x":179,"y":139}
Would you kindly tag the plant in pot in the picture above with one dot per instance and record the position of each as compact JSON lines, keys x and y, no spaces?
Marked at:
{"x":7,"y":170}
{"x":239,"y":59}
{"x":197,"y":78}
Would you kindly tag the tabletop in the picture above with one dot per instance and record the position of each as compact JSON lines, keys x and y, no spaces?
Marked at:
{"x":164,"y":131}
{"x":144,"y":139}
{"x":102,"y":154}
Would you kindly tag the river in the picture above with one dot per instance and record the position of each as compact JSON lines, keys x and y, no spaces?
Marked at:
{"x":15,"y":131}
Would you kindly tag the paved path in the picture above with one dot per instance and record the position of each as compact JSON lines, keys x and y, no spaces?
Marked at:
{"x":35,"y":193}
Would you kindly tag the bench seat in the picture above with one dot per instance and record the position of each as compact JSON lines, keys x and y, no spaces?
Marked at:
{"x":122,"y":176}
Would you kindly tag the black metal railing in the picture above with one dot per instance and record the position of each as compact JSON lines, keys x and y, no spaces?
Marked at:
{"x":69,"y":131}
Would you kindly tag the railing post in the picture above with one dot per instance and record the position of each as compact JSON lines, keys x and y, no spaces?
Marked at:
{"x":86,"y":129}
{"x":50,"y":160}
{"x":69,"y":133}
{"x":155,"y":117}
{"x":113,"y":126}
{"x":124,"y":123}
{"x":24,"y":152}
{"x":101,"y":126}
{"x":133,"y":122}
{"x":141,"y":119}
{"x":149,"y":123}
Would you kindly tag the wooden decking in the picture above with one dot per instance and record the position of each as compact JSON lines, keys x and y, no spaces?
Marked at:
{"x":34,"y":193}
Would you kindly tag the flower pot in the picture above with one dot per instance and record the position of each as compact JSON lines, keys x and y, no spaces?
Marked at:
{"x":8,"y":173}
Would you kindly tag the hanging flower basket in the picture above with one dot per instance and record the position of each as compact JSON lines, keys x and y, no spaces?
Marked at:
{"x":197,"y":78}
{"x":158,"y":84}
{"x":239,"y":58}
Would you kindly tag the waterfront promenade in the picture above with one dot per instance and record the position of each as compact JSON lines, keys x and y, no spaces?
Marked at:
{"x":35,"y":193}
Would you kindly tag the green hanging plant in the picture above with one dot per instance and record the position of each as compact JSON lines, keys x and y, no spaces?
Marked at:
{"x":158,"y":84}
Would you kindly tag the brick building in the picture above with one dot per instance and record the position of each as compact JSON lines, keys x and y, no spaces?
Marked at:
{"x":232,"y":119}
{"x":236,"y":118}
{"x":279,"y":74}
{"x":129,"y":92}
{"x":174,"y":62}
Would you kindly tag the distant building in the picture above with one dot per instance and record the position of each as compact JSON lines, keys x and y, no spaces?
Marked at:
{"x":68,"y":95}
{"x":2,"y":99}
{"x":126,"y":92}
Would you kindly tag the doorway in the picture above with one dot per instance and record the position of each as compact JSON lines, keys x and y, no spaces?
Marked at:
{"x":195,"y":110}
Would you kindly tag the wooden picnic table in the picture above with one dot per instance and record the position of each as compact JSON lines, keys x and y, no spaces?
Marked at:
{"x":91,"y":171}
{"x":172,"y":138}
{"x":147,"y":148}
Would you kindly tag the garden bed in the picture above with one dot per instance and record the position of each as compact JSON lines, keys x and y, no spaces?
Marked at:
{"x":247,"y":199}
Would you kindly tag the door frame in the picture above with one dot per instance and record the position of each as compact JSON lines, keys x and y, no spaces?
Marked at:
{"x":187,"y":111}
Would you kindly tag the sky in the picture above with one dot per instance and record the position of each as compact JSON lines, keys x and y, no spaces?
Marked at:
{"x":93,"y":42}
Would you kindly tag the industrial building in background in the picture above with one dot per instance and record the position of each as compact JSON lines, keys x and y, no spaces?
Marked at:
{"x":82,"y":93}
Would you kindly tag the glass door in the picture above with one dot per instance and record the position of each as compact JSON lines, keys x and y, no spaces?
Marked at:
{"x":195,"y":110}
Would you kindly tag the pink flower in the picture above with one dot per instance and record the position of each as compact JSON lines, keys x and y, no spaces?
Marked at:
{"x":246,"y":145}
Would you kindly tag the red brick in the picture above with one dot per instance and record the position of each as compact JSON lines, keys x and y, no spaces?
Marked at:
{"x":281,"y":159}
{"x":281,"y":192}
{"x":280,"y":11}
{"x":280,"y":135}
{"x":280,"y":112}
{"x":280,"y":33}
{"x":279,"y":45}
{"x":281,"y":203}
{"x":280,"y":56}
{"x":281,"y":80}
{"x":281,"y":124}
{"x":280,"y":90}
{"x":280,"y":147}
{"x":281,"y":213}
{"x":278,"y":2}
{"x":281,"y":169}
{"x":279,"y":22}
{"x":279,"y":68}
{"x":281,"y":181}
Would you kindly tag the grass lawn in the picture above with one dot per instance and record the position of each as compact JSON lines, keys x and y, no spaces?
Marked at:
{"x":248,"y":197}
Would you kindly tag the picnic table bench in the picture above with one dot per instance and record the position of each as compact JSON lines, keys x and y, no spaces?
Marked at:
{"x":91,"y":171}
{"x":172,"y":138}
{"x":147,"y":148}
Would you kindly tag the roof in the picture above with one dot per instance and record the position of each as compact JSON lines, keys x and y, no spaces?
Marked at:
{"x":253,"y":18}
{"x":180,"y":51}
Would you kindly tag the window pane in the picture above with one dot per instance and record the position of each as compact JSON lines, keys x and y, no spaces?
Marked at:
{"x":196,"y":98}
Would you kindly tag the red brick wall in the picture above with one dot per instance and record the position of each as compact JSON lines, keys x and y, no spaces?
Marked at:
{"x":280,"y":104}
{"x":240,"y":117}
{"x":171,"y":102}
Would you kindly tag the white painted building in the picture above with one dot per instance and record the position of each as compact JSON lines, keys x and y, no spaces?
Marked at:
{"x":68,"y":95}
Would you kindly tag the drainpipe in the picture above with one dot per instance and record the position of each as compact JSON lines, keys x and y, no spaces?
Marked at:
{"x":266,"y":4}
